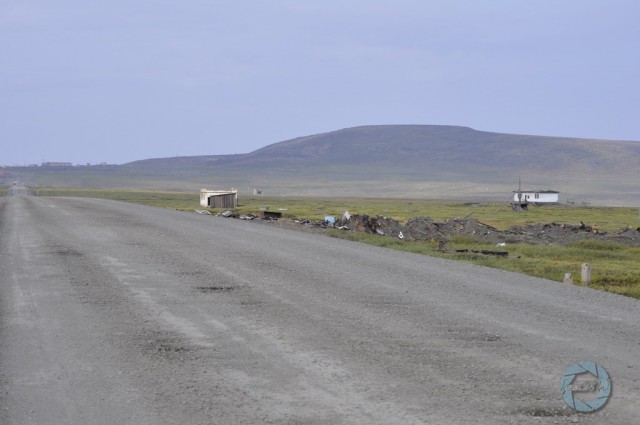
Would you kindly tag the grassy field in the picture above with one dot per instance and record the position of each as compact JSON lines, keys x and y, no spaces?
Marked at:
{"x":615,"y":268}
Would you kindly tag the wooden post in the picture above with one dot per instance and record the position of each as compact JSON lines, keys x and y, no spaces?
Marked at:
{"x":586,"y":274}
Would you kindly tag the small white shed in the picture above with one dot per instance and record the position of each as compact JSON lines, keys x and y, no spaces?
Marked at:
{"x":219,"y":198}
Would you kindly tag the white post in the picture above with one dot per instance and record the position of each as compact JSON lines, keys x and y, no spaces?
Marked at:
{"x":586,"y":274}
{"x":568,"y":278}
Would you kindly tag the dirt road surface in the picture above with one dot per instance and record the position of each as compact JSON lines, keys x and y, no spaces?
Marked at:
{"x":112,"y":313}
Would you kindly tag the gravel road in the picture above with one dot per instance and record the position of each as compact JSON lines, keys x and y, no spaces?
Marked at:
{"x":112,"y":313}
{"x":19,"y":190}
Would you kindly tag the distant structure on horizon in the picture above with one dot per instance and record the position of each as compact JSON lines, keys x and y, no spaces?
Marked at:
{"x":57,"y":164}
{"x":536,"y":197}
{"x":522,"y":198}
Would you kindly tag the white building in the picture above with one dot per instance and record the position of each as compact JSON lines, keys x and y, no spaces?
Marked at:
{"x":535,"y":196}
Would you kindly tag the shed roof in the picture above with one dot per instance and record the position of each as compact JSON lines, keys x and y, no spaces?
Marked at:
{"x":535,"y":191}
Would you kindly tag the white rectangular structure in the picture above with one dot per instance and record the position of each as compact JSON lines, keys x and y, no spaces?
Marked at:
{"x":219,"y":198}
{"x":536,"y":196}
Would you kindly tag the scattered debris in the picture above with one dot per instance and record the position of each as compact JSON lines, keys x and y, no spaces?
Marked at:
{"x":443,"y":231}
{"x":270,"y":215}
{"x":428,"y":229}
{"x":502,"y":254}
{"x":483,"y":252}
{"x":203,"y":212}
{"x":364,"y":223}
{"x":345,"y":218}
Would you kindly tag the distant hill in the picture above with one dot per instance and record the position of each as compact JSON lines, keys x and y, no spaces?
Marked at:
{"x":428,"y":161}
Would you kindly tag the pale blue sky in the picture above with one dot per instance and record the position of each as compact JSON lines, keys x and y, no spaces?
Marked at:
{"x":116,"y":81}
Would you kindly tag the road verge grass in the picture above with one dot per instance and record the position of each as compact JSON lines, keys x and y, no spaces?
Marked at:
{"x":615,"y":267}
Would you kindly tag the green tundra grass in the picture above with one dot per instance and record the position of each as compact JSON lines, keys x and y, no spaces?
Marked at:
{"x":615,"y":267}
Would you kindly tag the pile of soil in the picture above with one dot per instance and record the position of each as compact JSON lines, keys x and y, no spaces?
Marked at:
{"x":565,"y":234}
{"x":546,"y":233}
{"x":425,"y":228}
{"x":628,"y":236}
{"x":378,"y":224}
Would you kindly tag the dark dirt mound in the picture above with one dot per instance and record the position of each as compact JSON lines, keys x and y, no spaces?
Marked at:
{"x":565,"y":234}
{"x":378,"y":224}
{"x":628,"y":236}
{"x":427,"y":229}
{"x":545,"y":233}
{"x":424,"y":228}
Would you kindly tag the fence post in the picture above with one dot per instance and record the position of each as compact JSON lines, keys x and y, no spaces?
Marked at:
{"x":586,"y":274}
